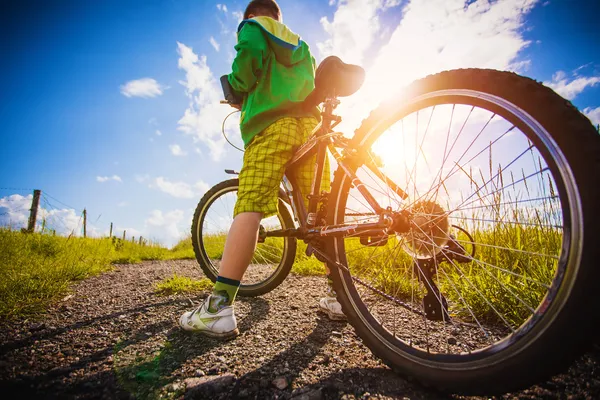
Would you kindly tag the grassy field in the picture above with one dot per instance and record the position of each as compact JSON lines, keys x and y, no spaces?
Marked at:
{"x":37,"y":269}
{"x":506,"y":279}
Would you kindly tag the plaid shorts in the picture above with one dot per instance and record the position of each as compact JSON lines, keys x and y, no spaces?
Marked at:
{"x":265,"y":161}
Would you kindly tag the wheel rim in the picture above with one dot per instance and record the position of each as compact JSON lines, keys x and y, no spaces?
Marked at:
{"x":453,"y":343}
{"x":212,"y":231}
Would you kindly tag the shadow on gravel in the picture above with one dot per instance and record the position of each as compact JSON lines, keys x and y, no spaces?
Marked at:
{"x":289,"y":363}
{"x":44,"y":333}
{"x":144,"y":379}
{"x":376,"y":381}
{"x":138,"y":378}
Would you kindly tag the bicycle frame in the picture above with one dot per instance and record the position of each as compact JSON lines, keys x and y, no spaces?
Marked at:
{"x":324,"y":139}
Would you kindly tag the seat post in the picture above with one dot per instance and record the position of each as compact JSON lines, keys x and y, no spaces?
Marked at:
{"x":330,"y":104}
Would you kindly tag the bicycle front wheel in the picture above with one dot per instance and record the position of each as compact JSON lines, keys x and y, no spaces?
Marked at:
{"x":272,"y":259}
{"x":491,"y":288}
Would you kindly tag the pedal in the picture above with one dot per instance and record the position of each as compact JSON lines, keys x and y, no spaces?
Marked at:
{"x":312,"y":250}
{"x":262,"y":234}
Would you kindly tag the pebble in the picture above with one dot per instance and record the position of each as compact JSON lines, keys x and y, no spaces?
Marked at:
{"x":280,"y":383}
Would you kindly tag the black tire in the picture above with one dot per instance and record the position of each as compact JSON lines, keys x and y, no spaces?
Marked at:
{"x":564,"y":331}
{"x":274,"y":277}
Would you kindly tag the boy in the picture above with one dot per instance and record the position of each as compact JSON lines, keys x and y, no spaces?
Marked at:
{"x":274,"y":70}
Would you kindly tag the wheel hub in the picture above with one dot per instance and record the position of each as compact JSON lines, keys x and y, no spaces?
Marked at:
{"x":429,"y":230}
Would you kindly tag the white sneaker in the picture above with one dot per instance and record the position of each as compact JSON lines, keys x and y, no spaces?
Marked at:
{"x":221,"y":324}
{"x":332,"y":308}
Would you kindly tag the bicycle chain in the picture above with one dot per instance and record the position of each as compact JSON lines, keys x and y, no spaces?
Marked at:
{"x":374,"y":289}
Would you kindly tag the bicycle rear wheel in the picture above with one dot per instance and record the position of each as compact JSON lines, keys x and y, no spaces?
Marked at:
{"x":515,"y":168}
{"x":272,"y":259}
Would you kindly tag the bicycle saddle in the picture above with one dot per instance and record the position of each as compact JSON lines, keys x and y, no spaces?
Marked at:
{"x":334,"y":78}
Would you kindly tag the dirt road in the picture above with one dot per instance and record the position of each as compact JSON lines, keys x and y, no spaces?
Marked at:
{"x":114,"y":338}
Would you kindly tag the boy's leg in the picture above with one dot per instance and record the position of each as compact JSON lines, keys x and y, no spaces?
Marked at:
{"x":260,"y":177}
{"x":238,"y":252}
{"x":240,"y":245}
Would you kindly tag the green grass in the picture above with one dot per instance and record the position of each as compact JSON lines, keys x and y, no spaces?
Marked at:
{"x":181,"y":284}
{"x":38,"y":269}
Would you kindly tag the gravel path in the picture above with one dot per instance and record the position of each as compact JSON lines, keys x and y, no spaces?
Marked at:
{"x":114,"y":338}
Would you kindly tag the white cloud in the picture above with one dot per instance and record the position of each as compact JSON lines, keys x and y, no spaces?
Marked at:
{"x":214,"y":43}
{"x":222,"y":7}
{"x":141,"y":178}
{"x":145,"y":87}
{"x":123,"y":204}
{"x":201,"y":187}
{"x":352,"y":30}
{"x":176,"y":150}
{"x":239,"y":16}
{"x":569,"y":88}
{"x":181,"y":190}
{"x":158,"y":133}
{"x":432,"y":36}
{"x":115,"y":178}
{"x":166,"y":226}
{"x":14,"y":212}
{"x":593,"y":114}
{"x":204,"y":116}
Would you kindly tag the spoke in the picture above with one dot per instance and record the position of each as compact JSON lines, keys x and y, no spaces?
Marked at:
{"x":466,"y":305}
{"x":510,"y":202}
{"x":507,"y":222}
{"x":494,"y":177}
{"x":453,"y":171}
{"x":446,"y":155}
{"x":474,"y":287}
{"x":496,"y":191}
{"x":531,"y":253}
{"x":502,"y":285}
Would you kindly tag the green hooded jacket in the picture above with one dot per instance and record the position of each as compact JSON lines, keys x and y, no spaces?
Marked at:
{"x":275,"y":71}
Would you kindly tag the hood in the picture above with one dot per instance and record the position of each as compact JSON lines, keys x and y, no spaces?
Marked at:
{"x":289,"y":49}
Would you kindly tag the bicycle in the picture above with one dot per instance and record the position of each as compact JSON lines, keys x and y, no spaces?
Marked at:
{"x":471,"y":276}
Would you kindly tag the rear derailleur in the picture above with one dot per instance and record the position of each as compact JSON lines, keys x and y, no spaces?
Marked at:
{"x":434,"y":302}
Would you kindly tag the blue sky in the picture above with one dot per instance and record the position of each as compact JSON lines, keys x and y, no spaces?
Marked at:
{"x":113,"y":106}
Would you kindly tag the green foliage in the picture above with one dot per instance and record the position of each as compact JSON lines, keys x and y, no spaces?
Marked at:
{"x":181,"y":284}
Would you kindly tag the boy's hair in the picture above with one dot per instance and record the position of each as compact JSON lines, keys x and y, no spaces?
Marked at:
{"x":263,"y":7}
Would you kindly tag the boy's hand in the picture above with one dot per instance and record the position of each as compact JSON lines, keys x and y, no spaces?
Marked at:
{"x":236,"y":106}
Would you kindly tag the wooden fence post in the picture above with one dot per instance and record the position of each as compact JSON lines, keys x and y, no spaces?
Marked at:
{"x":35,"y":203}
{"x":110,"y":234}
{"x":124,"y":234}
{"x":84,"y":223}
